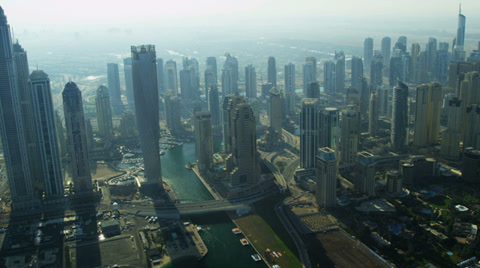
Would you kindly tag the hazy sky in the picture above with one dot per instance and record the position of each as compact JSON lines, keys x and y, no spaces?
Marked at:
{"x":34,"y":15}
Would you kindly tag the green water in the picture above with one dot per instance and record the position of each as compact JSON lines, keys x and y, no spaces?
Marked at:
{"x":224,"y":247}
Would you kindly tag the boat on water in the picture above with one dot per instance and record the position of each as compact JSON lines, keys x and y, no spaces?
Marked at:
{"x":256,"y":257}
{"x":236,"y":231}
{"x":244,"y":241}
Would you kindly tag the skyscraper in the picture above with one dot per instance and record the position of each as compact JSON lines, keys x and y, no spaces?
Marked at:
{"x":350,"y":134}
{"x":329,"y":78}
{"x":385,"y":50}
{"x":450,"y":147}
{"x":127,"y":69}
{"x":244,"y":148}
{"x":171,"y":81}
{"x":460,"y":41}
{"x":46,"y":134}
{"x":275,"y":111}
{"x":204,"y":140}
{"x":471,"y":165}
{"x":172,"y":114}
{"x":128,"y":126}
{"x":368,"y":53}
{"x":328,"y":130}
{"x":326,"y":173}
{"x":308,"y":133}
{"x":309,"y":72}
{"x":214,"y":105}
{"x":431,"y":52}
{"x":160,"y":76}
{"x":289,"y":78}
{"x":313,"y":90}
{"x":472,"y":127}
{"x":114,"y":88}
{"x":229,"y":105}
{"x":376,"y":70}
{"x":373,"y":114}
{"x":340,"y":71}
{"x":364,"y":92}
{"x":212,"y":66}
{"x":76,"y":138}
{"x":104,"y":113}
{"x":357,"y":72}
{"x":427,"y":114}
{"x":144,"y":70}
{"x":186,"y":85}
{"x":231,"y":63}
{"x":365,"y":173}
{"x":251,"y":81}
{"x":11,"y":125}
{"x":313,"y":62}
{"x":399,"y":128}
{"x":272,"y":71}
{"x":62,"y":141}
{"x":227,"y":82}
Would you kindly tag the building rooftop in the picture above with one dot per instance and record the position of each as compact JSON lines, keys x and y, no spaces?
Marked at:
{"x":326,"y":153}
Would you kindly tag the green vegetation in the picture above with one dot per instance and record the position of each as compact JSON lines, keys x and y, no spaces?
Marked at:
{"x":439,"y":201}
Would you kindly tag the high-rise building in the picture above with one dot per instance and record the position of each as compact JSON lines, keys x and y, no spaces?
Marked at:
{"x":272,"y":71}
{"x":127,"y":70}
{"x":251,"y":80}
{"x":456,"y":74}
{"x":427,"y":114}
{"x":209,"y":81}
{"x":326,"y":173}
{"x":350,"y":134}
{"x":186,"y":88}
{"x":144,"y":70}
{"x":191,"y":64}
{"x":204,"y":140}
{"x":471,"y":165}
{"x":431,"y":53}
{"x":128,"y":126}
{"x":290,"y":78}
{"x":328,"y":130}
{"x":357,"y":72}
{"x":376,"y":70}
{"x":172,"y":114}
{"x":229,"y":105}
{"x":160,"y":76}
{"x":313,"y":62}
{"x":460,"y":40}
{"x":76,"y":138}
{"x":399,"y":128}
{"x":396,"y":70}
{"x":418,"y":65}
{"x":62,"y":141}
{"x":470,"y":88}
{"x":309,"y":72}
{"x":365,"y":173}
{"x":214,"y":105}
{"x":231,"y":63}
{"x":373,"y":114}
{"x":385,"y":50}
{"x":403,"y":39}
{"x":244,"y":148}
{"x":340,"y":71}
{"x":275,"y":111}
{"x":364,"y":91}
{"x":450,"y":147}
{"x":114,"y":88}
{"x":382,"y":101}
{"x":171,"y":81}
{"x":368,"y":53}
{"x":394,"y":181}
{"x":46,"y":135}
{"x":11,"y":125}
{"x":472,"y":127}
{"x":308,"y":133}
{"x":227,"y":82}
{"x":212,"y":66}
{"x":442,"y":61}
{"x":90,"y":137}
{"x":329,"y":77}
{"x":313,"y":90}
{"x":104,"y":113}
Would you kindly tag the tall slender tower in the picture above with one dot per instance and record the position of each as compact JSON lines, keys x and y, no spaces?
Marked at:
{"x":171,"y":82}
{"x":399,"y":129}
{"x":328,"y":130}
{"x":275,"y":111}
{"x":309,"y":72}
{"x":46,"y":134}
{"x":326,"y":171}
{"x":290,"y":78}
{"x":204,"y":140}
{"x":272,"y":71}
{"x":251,"y":81}
{"x":329,"y":78}
{"x":308,"y":133}
{"x":146,"y":109}
{"x":373,"y":114}
{"x":127,"y":70}
{"x":340,"y":70}
{"x":450,"y":147}
{"x":114,"y":88}
{"x":368,"y":53}
{"x":357,"y":72}
{"x":212,"y":65}
{"x":365,"y":173}
{"x":11,"y":125}
{"x":350,"y":134}
{"x":160,"y":76}
{"x":231,"y":63}
{"x":460,"y":41}
{"x":76,"y":138}
{"x":385,"y":50}
{"x":427,"y":114}
{"x":104,"y":113}
{"x":214,"y":105}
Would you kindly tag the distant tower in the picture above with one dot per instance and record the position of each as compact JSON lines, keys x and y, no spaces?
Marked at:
{"x":212,"y":66}
{"x":244,"y":148}
{"x":272,"y":71}
{"x":104,"y":113}
{"x":471,"y":165}
{"x":46,"y":134}
{"x":214,"y":106}
{"x":229,"y":105}
{"x":328,"y":130}
{"x":11,"y":125}
{"x":431,"y":54}
{"x":90,"y":137}
{"x":470,"y":88}
{"x":373,"y":115}
{"x":186,"y":88}
{"x":385,"y":50}
{"x":290,"y":78}
{"x":127,"y":69}
{"x":60,"y":130}
{"x":326,"y":169}
{"x":308,"y":133}
{"x":340,"y":71}
{"x":427,"y":114}
{"x":364,"y":92}
{"x":204,"y":140}
{"x":472,"y":127}
{"x":144,"y":70}
{"x":309,"y":72}
{"x":350,"y":134}
{"x":368,"y":53}
{"x":275,"y":111}
{"x":251,"y":81}
{"x":329,"y":77}
{"x":171,"y":81}
{"x":128,"y":126}
{"x":160,"y":76}
{"x":227,"y":82}
{"x":313,"y":90}
{"x":313,"y":62}
{"x":172,"y":113}
{"x":460,"y":41}
{"x":399,"y":128}
{"x":403,"y":39}
{"x":450,"y":147}
{"x":376,"y":72}
{"x":114,"y":88}
{"x":365,"y":173}
{"x":77,"y":138}
{"x":231,"y":63}
{"x":357,"y":72}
